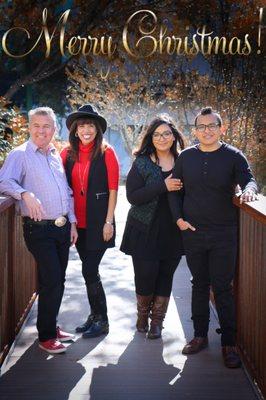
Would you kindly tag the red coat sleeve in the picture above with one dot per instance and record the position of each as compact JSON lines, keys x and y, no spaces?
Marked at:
{"x":112,"y":167}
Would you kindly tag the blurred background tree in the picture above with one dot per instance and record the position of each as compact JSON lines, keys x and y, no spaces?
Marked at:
{"x":135,"y":90}
{"x":13,"y":128}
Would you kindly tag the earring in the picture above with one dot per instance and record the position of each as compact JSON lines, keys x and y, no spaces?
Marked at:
{"x":76,"y":135}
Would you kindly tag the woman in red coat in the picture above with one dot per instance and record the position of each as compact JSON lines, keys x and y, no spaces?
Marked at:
{"x":92,"y":170}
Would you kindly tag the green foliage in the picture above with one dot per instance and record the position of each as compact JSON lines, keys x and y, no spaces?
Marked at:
{"x":13,"y":129}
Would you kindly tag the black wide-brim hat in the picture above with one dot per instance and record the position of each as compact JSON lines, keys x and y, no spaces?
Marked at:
{"x":86,"y":111}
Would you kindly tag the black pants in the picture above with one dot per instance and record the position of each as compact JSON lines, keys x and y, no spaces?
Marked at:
{"x":154,"y":277}
{"x":90,"y":270}
{"x":49,"y":245}
{"x":90,"y":259}
{"x":211,"y":258}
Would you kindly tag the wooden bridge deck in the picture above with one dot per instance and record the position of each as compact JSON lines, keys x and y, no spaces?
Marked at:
{"x":122,"y":365}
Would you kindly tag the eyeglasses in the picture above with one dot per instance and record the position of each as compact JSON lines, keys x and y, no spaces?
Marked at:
{"x":211,"y":127}
{"x":165,"y":135}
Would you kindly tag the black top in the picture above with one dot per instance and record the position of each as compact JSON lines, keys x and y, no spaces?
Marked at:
{"x":97,"y":199}
{"x":209,"y":180}
{"x":163,"y":239}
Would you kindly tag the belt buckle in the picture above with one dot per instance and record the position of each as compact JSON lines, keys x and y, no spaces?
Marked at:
{"x":60,"y":221}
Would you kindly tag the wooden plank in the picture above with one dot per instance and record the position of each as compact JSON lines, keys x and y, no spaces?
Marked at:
{"x":18,"y":276}
{"x":251,"y":296}
{"x":123,"y":365}
{"x":257,"y":209}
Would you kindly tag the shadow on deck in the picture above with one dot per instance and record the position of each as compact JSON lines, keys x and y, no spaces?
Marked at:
{"x":122,"y":365}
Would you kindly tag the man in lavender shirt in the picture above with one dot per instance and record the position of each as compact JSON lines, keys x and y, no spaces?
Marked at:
{"x":33,"y":174}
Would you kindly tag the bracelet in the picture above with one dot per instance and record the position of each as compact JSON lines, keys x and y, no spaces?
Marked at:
{"x":109,"y":222}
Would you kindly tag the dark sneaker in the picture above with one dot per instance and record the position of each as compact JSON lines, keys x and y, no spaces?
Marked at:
{"x":195,"y":345}
{"x":231,"y":357}
{"x":97,"y":328}
{"x":84,"y":327}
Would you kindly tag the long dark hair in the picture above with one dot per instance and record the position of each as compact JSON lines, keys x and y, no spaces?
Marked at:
{"x":146,"y":146}
{"x":100,"y":144}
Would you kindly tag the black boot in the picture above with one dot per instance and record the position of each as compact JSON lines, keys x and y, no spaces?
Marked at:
{"x":86,"y":325}
{"x":97,"y":299}
{"x":98,"y":327}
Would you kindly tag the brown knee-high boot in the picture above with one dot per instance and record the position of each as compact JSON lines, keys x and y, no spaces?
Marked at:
{"x":158,"y":311}
{"x":143,"y":307}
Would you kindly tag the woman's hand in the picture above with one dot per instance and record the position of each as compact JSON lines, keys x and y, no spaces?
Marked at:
{"x":108,"y":231}
{"x":73,"y":234}
{"x":173,"y":184}
{"x":184,"y":225}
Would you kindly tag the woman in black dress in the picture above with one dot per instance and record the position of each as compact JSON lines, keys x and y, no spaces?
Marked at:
{"x":151,"y":236}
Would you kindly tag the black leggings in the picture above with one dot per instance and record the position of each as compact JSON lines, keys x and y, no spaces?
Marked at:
{"x":154,"y":277}
{"x":90,"y":259}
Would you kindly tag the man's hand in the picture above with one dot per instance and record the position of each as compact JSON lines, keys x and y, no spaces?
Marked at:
{"x":33,"y":205}
{"x":248,"y":195}
{"x":108,"y":231}
{"x":73,"y":234}
{"x":173,"y":184}
{"x":184,"y":225}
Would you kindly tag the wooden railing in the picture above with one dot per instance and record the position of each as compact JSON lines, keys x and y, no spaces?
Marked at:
{"x":17,"y":276}
{"x":251,"y":289}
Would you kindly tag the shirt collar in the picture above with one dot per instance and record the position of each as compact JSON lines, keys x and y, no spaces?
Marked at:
{"x":33,"y":146}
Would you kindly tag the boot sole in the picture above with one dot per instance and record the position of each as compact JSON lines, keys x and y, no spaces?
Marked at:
{"x":233,"y":366}
{"x":93,"y":335}
{"x":81,"y":330}
{"x":154,"y":336}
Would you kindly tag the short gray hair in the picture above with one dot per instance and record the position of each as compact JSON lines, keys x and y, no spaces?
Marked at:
{"x":43,"y":111}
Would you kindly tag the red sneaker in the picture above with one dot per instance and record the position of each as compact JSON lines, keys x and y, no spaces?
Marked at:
{"x":64,"y":336}
{"x":52,"y":346}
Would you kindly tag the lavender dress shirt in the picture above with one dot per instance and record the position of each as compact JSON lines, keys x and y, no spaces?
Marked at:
{"x":27,"y":168}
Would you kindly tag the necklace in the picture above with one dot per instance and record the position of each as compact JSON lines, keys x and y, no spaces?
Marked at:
{"x":81,"y":181}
